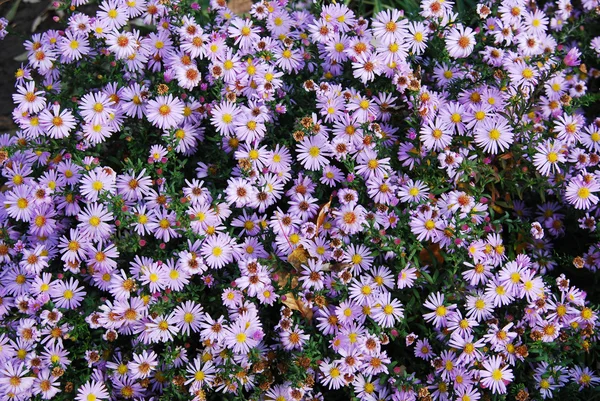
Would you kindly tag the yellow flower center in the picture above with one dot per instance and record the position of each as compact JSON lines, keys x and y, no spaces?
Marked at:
{"x":494,"y":134}
{"x":586,"y":313}
{"x":583,"y":193}
{"x":97,"y":185}
{"x":22,"y":203}
{"x":164,"y":110}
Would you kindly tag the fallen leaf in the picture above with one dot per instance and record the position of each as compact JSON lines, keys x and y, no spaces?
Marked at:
{"x":283,"y":279}
{"x":323,"y":213}
{"x":298,"y":257}
{"x":432,"y":249}
{"x":335,"y":267}
{"x":296,"y":304}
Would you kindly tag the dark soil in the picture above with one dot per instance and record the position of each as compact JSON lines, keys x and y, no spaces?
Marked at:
{"x":12,"y":46}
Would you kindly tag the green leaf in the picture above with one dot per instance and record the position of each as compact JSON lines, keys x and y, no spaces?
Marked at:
{"x":427,"y":277}
{"x":13,"y":11}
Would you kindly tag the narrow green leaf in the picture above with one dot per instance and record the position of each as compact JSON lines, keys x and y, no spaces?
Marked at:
{"x":13,"y":11}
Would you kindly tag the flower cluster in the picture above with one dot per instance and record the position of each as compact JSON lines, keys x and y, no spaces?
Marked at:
{"x":3,"y":26}
{"x":301,"y":204}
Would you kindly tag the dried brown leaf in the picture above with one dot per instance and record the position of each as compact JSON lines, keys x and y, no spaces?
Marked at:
{"x":298,"y":257}
{"x":425,"y":254}
{"x":323,"y":213}
{"x":296,"y":304}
